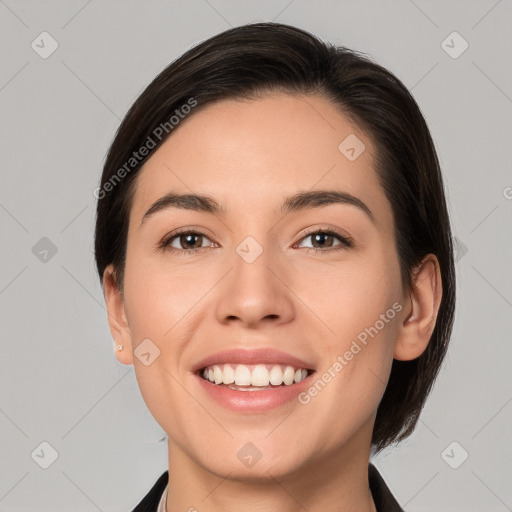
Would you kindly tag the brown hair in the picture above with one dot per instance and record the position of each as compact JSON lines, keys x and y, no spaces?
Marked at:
{"x":250,"y":60}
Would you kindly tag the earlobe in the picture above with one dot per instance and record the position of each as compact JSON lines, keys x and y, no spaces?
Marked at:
{"x":117,"y":318}
{"x":420,"y":317}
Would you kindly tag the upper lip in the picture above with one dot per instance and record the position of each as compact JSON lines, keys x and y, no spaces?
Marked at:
{"x":252,"y":356}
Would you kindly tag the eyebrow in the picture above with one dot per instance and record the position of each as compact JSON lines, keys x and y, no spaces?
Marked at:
{"x":297,"y":202}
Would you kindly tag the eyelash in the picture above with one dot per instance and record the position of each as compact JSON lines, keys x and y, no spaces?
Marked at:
{"x":346,"y":242}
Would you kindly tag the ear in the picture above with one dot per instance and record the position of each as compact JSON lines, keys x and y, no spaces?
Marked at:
{"x":117,"y":320}
{"x":421,"y":312}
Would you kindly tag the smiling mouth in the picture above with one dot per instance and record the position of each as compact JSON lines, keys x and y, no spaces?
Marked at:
{"x":258,"y":377}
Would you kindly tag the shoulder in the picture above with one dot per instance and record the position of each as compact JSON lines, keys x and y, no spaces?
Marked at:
{"x":382,"y":496}
{"x":150,"y":502}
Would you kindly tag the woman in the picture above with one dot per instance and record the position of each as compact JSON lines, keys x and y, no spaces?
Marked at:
{"x":275,"y":250}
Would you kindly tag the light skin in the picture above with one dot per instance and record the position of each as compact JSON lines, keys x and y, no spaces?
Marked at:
{"x":249,"y":157}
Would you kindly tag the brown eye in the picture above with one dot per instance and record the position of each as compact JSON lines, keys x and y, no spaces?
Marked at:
{"x":323,"y":240}
{"x":191,"y":241}
{"x":186,"y":241}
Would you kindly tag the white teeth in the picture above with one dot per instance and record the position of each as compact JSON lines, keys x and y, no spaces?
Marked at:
{"x":288,"y":375}
{"x":217,"y":374}
{"x":261,"y":375}
{"x":228,"y":374}
{"x":242,"y":375}
{"x":276,"y":375}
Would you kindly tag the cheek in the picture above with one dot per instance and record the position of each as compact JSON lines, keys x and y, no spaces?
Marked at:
{"x":157,"y":295}
{"x":157,"y":303}
{"x":358,"y":302}
{"x":350,"y":296}
{"x":359,"y":307}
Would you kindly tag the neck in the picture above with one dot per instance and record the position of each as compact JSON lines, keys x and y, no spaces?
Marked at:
{"x":337,"y":482}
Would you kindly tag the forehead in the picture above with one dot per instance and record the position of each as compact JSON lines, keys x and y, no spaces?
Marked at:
{"x":251,"y":154}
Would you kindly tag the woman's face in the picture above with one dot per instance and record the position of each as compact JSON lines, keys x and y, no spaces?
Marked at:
{"x":256,"y":282}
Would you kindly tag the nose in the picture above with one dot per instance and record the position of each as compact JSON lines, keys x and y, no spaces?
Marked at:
{"x":255,"y":292}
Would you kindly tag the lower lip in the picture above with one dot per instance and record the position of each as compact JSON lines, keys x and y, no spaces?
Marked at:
{"x":253,"y":401}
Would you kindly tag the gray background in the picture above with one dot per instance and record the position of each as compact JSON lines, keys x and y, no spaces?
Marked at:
{"x":59,"y":380}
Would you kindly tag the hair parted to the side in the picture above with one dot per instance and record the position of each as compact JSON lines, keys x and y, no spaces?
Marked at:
{"x":249,"y":61}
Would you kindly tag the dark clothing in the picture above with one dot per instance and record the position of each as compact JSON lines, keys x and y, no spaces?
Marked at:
{"x":384,"y":500}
